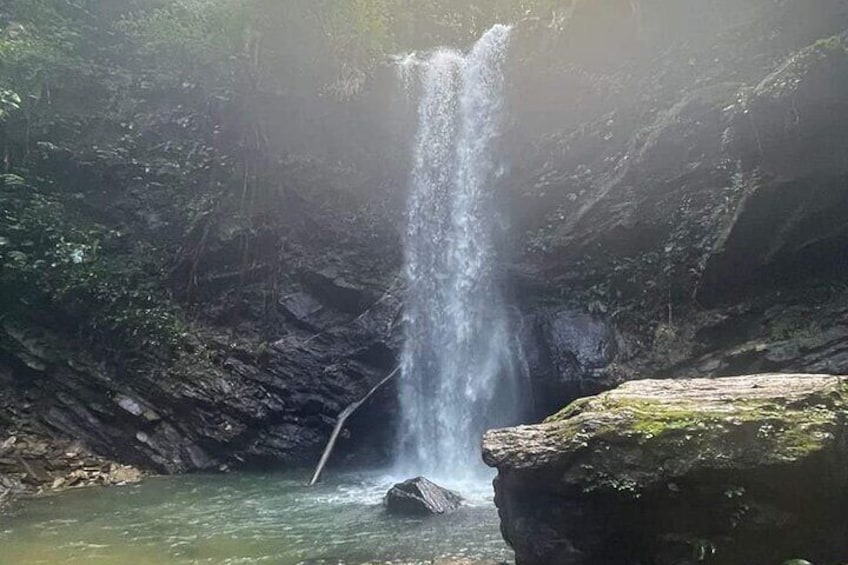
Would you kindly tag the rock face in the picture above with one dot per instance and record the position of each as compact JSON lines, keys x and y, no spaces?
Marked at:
{"x":420,"y":497}
{"x":569,"y":354}
{"x":734,"y":471}
{"x":693,"y":204}
{"x":257,"y":403}
{"x":673,"y":186}
{"x":690,"y":157}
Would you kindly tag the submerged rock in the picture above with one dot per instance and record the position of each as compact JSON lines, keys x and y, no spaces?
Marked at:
{"x":421,"y":497}
{"x":733,"y":471}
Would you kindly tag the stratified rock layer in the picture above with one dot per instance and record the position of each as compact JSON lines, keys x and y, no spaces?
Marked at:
{"x":733,"y":471}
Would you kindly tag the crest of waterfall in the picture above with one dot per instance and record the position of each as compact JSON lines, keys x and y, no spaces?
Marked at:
{"x":458,"y":377}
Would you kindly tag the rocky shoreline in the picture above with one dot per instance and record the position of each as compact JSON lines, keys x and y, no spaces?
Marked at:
{"x":32,"y":466}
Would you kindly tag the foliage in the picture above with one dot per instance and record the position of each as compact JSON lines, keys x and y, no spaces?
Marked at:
{"x":54,"y":256}
{"x":9,"y":102}
{"x":189,"y":40}
{"x":124,"y":122}
{"x":38,"y":48}
{"x":312,"y":46}
{"x":49,"y":257}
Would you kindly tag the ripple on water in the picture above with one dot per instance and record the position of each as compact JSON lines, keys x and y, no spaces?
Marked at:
{"x":245,"y":519}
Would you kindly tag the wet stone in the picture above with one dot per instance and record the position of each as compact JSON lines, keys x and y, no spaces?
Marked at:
{"x":421,"y":497}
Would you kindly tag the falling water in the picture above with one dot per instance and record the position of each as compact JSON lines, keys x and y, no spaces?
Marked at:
{"x":457,"y":374}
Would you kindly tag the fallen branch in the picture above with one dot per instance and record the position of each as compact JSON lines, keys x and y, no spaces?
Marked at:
{"x":341,"y":422}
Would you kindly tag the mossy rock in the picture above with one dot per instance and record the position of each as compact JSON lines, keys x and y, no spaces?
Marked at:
{"x":652,"y":431}
{"x":751,"y":467}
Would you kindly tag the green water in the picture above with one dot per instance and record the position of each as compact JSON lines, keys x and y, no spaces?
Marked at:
{"x":242,"y":519}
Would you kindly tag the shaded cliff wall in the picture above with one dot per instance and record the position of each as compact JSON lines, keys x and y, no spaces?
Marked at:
{"x":674,"y":202}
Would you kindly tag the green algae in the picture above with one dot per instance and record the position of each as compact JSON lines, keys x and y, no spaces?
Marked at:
{"x":632,"y":440}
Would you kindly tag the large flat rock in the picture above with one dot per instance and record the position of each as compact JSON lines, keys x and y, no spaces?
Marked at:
{"x":750,"y":469}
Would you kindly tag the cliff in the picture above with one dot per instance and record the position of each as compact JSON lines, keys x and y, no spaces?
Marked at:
{"x":201,"y":268}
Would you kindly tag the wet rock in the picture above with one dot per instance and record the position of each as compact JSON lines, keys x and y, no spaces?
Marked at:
{"x":787,"y":339}
{"x":302,"y":308}
{"x":420,"y":496}
{"x":7,"y":444}
{"x":35,"y":471}
{"x":629,"y":206}
{"x":123,"y":474}
{"x":337,"y":291}
{"x":130,"y":405}
{"x":10,"y":486}
{"x":33,"y":462}
{"x":194,"y":416}
{"x":437,"y":561}
{"x":745,"y":469}
{"x":567,"y":353}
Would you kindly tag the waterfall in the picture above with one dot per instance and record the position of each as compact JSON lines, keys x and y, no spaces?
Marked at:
{"x":457,"y":374}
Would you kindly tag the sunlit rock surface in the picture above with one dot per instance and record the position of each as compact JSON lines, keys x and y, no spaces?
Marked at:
{"x":737,"y":470}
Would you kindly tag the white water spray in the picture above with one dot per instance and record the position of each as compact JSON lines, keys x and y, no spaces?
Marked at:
{"x":457,"y":375}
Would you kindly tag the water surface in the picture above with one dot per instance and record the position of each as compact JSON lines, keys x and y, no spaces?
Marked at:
{"x":242,"y":519}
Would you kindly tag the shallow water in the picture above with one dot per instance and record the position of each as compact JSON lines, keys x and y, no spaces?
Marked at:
{"x":243,"y":519}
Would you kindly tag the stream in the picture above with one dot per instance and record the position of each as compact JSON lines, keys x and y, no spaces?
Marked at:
{"x":244,"y":519}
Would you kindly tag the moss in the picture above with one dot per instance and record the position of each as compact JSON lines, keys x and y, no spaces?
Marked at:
{"x":786,"y":432}
{"x":832,"y":44}
{"x":636,"y":440}
{"x":652,"y":419}
{"x":570,"y":411}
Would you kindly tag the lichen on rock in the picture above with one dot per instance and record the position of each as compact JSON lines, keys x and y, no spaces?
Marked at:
{"x":656,"y":467}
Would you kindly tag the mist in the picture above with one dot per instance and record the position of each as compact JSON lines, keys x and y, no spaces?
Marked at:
{"x":434,"y":282}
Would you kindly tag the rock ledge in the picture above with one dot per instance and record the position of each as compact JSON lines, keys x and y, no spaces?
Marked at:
{"x":745,"y":469}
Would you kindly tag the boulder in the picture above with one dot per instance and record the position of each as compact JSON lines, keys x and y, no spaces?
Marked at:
{"x":124,"y":475}
{"x":669,"y":472}
{"x":418,"y":497}
{"x":9,"y":487}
